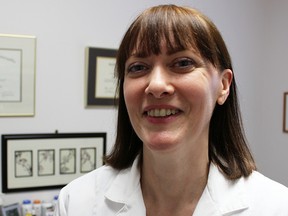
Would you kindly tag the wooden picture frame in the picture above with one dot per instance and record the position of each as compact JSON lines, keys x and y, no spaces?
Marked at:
{"x":48,"y":161}
{"x":101,"y":82}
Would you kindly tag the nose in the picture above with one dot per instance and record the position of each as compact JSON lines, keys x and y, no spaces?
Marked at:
{"x":159,"y":83}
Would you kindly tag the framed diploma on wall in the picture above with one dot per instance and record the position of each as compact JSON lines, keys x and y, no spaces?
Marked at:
{"x":101,"y":82}
{"x":17,"y":75}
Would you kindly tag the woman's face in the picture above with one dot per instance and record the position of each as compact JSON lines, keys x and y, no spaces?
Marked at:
{"x":170,"y":98}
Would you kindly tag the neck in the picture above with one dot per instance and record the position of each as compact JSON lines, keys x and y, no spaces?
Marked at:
{"x":172,"y":182}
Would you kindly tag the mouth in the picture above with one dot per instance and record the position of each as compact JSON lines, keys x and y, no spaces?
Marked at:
{"x":158,"y":113}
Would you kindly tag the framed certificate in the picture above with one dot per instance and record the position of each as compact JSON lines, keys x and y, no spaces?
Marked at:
{"x":48,"y":161}
{"x":101,"y":82}
{"x":17,"y":75}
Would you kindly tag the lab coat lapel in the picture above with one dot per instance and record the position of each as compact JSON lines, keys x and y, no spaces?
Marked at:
{"x":221,"y":196}
{"x":125,"y":195}
{"x":206,"y":206}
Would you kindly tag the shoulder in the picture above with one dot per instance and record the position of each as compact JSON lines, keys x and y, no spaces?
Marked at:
{"x":82,"y":195}
{"x":256,"y":193}
{"x":95,"y":192}
{"x":96,"y":180}
{"x":264,"y":191}
{"x":257,"y":182}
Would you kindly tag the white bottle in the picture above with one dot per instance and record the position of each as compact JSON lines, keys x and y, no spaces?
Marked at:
{"x":54,"y":202}
{"x":37,"y":207}
{"x":33,"y":212}
{"x":47,"y":209}
{"x":26,"y":207}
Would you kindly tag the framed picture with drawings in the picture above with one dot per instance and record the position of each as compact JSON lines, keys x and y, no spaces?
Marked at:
{"x":48,"y":161}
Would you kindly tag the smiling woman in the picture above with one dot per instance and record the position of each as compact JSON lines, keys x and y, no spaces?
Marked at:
{"x":190,"y":42}
{"x":180,"y":147}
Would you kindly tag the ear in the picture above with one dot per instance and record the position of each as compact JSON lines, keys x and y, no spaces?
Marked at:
{"x":226,"y":80}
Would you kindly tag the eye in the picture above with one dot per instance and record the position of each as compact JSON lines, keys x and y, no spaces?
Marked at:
{"x":137,"y":68}
{"x":183,"y":63}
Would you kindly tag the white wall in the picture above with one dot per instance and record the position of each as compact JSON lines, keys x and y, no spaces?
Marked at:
{"x":272,"y":146}
{"x":64,"y":28}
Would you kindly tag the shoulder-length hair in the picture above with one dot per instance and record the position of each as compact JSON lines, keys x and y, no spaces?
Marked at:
{"x":182,"y":28}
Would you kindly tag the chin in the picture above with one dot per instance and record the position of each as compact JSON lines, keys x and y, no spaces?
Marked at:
{"x":161,"y":146}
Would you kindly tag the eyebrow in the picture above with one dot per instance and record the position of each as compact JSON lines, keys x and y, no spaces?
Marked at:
{"x":143,"y":54}
{"x":139,"y":55}
{"x":175,"y":50}
{"x":170,"y":52}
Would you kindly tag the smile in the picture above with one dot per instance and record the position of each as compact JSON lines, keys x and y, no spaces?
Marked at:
{"x":162,"y":112}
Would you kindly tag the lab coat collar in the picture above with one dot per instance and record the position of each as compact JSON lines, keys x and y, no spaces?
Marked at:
{"x":126,"y":191}
{"x":220,"y":197}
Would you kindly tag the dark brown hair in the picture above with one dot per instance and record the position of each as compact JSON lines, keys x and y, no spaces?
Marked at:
{"x":182,"y":28}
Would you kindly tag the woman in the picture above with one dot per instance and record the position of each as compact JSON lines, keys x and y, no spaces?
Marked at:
{"x":180,"y":147}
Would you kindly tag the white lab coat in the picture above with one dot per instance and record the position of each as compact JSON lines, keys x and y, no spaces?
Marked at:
{"x":108,"y":192}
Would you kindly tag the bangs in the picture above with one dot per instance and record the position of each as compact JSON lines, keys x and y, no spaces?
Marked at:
{"x":177,"y":28}
{"x":152,"y":31}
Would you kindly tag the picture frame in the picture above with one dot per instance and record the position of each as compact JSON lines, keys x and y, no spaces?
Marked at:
{"x":101,"y":82}
{"x":9,"y":210}
{"x":48,"y":161}
{"x":285,"y":112}
{"x":17,"y":77}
